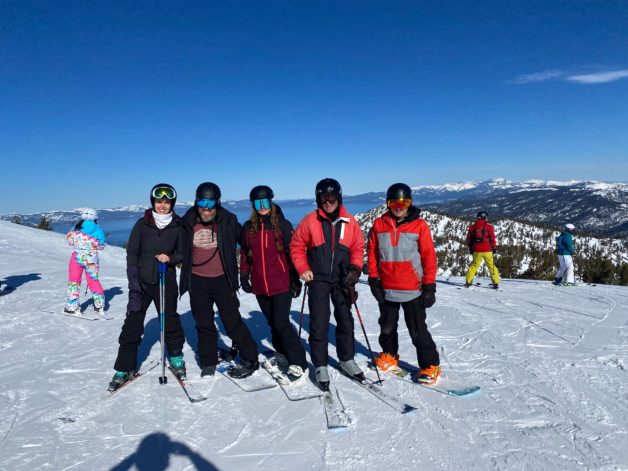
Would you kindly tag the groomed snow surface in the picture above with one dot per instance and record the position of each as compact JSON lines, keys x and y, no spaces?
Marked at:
{"x":551,"y":363}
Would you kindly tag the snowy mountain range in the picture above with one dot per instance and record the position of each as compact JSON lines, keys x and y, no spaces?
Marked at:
{"x":551,"y":363}
{"x":598,"y":208}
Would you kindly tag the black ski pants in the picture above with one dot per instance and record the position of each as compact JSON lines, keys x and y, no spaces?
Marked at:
{"x":204,"y":294}
{"x":133,"y":327}
{"x":284,"y":336}
{"x":415,"y":316}
{"x":320,"y":293}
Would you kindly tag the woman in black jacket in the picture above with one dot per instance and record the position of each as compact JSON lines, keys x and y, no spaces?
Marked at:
{"x":156,"y":237}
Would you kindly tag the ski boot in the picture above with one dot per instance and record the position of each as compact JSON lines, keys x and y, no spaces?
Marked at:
{"x":293,"y":376}
{"x":467,"y":285}
{"x":119,"y":379}
{"x":322,"y":378}
{"x":244,"y":369}
{"x":428,"y":376}
{"x":557,"y":281}
{"x":353,"y":371}
{"x":387,"y":362}
{"x":209,"y":370}
{"x":71,"y":308}
{"x":177,"y":365}
{"x":225,"y":356}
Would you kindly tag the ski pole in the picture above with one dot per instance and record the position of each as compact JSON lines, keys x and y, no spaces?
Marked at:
{"x":367,"y":340}
{"x":162,"y":319}
{"x":302,"y":306}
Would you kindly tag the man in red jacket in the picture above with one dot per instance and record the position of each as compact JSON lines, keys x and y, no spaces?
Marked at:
{"x":402,"y":273}
{"x":482,"y":245}
{"x":327,"y":250}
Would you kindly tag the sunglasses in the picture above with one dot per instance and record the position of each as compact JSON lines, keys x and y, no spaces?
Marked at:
{"x":401,"y":203}
{"x":329,"y":199}
{"x":263,"y":203}
{"x":206,"y":203}
{"x":164,"y":192}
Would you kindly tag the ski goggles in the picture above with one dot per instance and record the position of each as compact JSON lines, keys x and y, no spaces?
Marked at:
{"x":263,"y":203}
{"x":164,"y":192}
{"x":329,"y":199}
{"x":400,"y":203}
{"x":206,"y":203}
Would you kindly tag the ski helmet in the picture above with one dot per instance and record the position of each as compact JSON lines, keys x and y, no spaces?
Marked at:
{"x":261,"y":192}
{"x":208,"y":191}
{"x":89,"y":214}
{"x":163,"y":190}
{"x":398,"y":191}
{"x":328,"y":186}
{"x":482,"y":215}
{"x":570,"y":227}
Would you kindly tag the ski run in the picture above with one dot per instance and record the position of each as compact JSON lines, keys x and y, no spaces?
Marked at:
{"x":550,"y":362}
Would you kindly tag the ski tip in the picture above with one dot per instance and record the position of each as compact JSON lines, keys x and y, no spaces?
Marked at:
{"x":464,"y":392}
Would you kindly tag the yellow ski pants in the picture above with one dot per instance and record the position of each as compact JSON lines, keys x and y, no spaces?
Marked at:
{"x":487,"y":257}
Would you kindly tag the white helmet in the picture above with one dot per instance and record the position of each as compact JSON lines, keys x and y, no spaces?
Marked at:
{"x":570,"y":227}
{"x":89,"y":214}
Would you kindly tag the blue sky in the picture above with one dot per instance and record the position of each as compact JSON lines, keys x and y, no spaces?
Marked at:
{"x":100,"y":100}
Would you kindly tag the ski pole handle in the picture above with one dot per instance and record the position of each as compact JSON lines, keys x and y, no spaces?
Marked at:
{"x":162,"y":267}
{"x":302,"y":306}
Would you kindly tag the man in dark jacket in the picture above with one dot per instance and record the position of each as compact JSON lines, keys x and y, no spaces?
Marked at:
{"x":210,"y":274}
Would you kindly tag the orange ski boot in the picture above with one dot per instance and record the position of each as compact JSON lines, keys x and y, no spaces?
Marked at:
{"x":429,"y":376}
{"x":387,"y":362}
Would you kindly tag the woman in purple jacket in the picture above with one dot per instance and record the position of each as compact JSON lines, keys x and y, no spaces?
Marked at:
{"x":267,"y":271}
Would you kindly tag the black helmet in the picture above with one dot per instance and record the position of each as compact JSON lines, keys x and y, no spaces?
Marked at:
{"x":328,"y":186}
{"x":482,"y":215}
{"x":208,"y":190}
{"x":163,"y":190}
{"x":398,"y":191}
{"x":261,"y":192}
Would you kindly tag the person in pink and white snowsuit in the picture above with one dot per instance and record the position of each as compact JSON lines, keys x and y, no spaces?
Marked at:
{"x":86,"y":238}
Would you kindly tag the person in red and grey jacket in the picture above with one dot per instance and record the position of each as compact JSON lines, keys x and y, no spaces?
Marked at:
{"x":266,"y":270}
{"x":402,"y":273}
{"x":482,"y":245}
{"x":327,"y":250}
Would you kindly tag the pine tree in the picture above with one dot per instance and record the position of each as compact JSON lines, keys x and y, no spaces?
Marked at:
{"x":44,"y":224}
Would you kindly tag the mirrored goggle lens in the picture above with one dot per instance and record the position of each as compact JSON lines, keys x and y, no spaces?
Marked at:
{"x":164,"y":192}
{"x":205,"y":203}
{"x":263,"y":203}
{"x":401,"y":203}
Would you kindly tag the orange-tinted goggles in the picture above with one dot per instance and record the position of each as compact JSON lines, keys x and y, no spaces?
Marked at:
{"x":401,"y":203}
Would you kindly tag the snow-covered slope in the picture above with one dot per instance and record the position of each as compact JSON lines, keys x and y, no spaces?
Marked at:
{"x":551,"y":362}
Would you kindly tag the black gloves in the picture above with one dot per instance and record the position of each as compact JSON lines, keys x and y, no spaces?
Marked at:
{"x":353,"y":275}
{"x":428,"y":295}
{"x":494,"y":251}
{"x":377,"y":290}
{"x":244,"y":281}
{"x":295,"y":286}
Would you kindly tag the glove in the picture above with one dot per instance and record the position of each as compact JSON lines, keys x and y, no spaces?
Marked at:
{"x":494,"y":251}
{"x":135,"y":288}
{"x":295,"y":287}
{"x":353,"y":275}
{"x":350,"y":293}
{"x":377,"y":290}
{"x":428,"y":295}
{"x":244,"y":281}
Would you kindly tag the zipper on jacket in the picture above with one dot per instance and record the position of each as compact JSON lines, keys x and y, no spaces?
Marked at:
{"x":263,"y":258}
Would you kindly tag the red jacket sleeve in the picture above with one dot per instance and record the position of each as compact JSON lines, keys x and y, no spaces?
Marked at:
{"x":428,"y":255}
{"x":299,"y":244}
{"x":492,"y":236}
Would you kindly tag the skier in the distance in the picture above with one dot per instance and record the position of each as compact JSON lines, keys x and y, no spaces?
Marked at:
{"x":482,"y":246}
{"x":565,"y":250}
{"x":86,"y":238}
{"x":157,"y":237}
{"x":266,"y":270}
{"x":327,"y":249}
{"x":402,"y":273}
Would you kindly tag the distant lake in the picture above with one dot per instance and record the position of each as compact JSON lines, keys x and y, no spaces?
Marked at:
{"x":119,"y":228}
